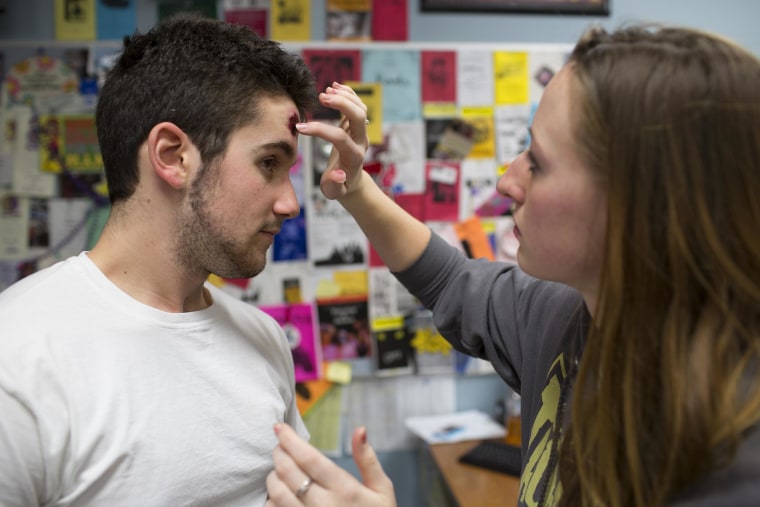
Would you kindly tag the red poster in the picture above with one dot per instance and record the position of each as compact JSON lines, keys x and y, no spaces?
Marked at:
{"x":442,"y":190}
{"x":255,"y":19}
{"x":330,"y":65}
{"x":439,"y":83}
{"x":390,"y":20}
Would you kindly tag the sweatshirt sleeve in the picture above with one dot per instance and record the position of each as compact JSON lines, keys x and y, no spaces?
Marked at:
{"x":490,"y":310}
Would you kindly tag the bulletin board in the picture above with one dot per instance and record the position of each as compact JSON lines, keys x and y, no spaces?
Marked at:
{"x":446,"y":120}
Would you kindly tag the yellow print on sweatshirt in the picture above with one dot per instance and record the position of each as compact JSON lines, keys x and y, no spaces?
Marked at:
{"x":537,"y":480}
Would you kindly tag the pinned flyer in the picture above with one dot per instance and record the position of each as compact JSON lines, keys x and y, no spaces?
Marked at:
{"x":338,"y":372}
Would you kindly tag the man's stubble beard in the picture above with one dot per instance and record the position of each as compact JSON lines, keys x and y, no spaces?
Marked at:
{"x":204,"y":246}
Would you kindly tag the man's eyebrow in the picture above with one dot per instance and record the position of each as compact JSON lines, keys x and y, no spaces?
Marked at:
{"x":286,"y":148}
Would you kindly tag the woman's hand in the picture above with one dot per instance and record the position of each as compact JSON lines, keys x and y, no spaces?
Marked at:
{"x":349,"y":140}
{"x":302,"y":475}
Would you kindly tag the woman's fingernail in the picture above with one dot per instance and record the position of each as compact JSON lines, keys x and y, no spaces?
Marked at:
{"x":277,"y":428}
{"x":301,"y":126}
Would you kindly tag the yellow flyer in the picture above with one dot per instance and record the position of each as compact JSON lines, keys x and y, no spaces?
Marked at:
{"x":75,"y":19}
{"x":290,"y":20}
{"x":372,"y":95}
{"x":511,"y":80}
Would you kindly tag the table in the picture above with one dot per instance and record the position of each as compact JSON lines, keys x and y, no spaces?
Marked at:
{"x":473,"y":486}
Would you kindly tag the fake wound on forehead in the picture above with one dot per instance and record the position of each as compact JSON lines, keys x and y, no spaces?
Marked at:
{"x":292,"y":123}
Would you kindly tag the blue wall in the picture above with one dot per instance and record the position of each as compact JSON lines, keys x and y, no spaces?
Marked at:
{"x":737,"y":19}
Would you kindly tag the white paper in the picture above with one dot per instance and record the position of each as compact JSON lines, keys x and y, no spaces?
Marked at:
{"x":28,"y":179}
{"x":512,"y":135}
{"x":456,"y":427}
{"x":406,"y":151}
{"x":475,"y":78}
{"x":14,"y":225}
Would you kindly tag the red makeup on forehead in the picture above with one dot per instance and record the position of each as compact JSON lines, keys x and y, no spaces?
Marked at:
{"x":292,"y":123}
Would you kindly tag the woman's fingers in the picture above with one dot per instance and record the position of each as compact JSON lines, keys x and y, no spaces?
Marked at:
{"x":288,"y":485}
{"x":295,"y":461}
{"x":373,"y":475}
{"x":310,"y":460}
{"x":349,"y":139}
{"x":351,"y":106}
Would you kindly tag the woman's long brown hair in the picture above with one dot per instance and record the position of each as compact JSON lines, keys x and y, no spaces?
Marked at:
{"x":669,"y":119}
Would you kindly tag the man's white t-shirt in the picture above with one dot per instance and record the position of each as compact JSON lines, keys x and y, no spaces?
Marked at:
{"x":107,"y":401}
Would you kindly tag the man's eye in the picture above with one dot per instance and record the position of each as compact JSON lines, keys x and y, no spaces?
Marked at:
{"x":269,"y":164}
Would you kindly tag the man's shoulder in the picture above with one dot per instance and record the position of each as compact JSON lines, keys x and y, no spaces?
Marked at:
{"x":40,"y":284}
{"x":239,"y":308}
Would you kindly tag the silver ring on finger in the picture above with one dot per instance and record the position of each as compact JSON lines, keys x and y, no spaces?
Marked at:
{"x":301,"y":491}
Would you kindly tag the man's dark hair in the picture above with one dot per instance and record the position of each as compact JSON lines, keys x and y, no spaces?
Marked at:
{"x":204,"y":75}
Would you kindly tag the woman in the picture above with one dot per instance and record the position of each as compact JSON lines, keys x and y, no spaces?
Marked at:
{"x":632,"y":326}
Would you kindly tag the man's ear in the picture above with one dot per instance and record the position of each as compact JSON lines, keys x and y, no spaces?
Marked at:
{"x":171,"y":153}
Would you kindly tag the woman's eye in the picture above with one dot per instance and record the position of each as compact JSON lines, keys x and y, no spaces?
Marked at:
{"x":532,"y":164}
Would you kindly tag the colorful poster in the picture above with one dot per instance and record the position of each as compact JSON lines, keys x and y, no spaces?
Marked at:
{"x":344,"y":328}
{"x":42,"y":82}
{"x":290,"y":243}
{"x":69,"y":143}
{"x":298,"y":323}
{"x":393,"y":344}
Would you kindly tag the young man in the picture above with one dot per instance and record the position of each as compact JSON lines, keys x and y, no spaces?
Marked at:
{"x":124,"y":378}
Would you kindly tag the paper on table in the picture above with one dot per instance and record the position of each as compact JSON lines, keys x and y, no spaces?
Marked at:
{"x":456,"y":427}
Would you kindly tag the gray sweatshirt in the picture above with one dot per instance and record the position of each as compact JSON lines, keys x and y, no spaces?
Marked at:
{"x":532,"y":332}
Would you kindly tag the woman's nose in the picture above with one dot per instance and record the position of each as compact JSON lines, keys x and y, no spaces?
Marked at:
{"x":512,"y":182}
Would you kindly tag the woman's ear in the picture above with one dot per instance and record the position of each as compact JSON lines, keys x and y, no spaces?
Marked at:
{"x":172,"y":154}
